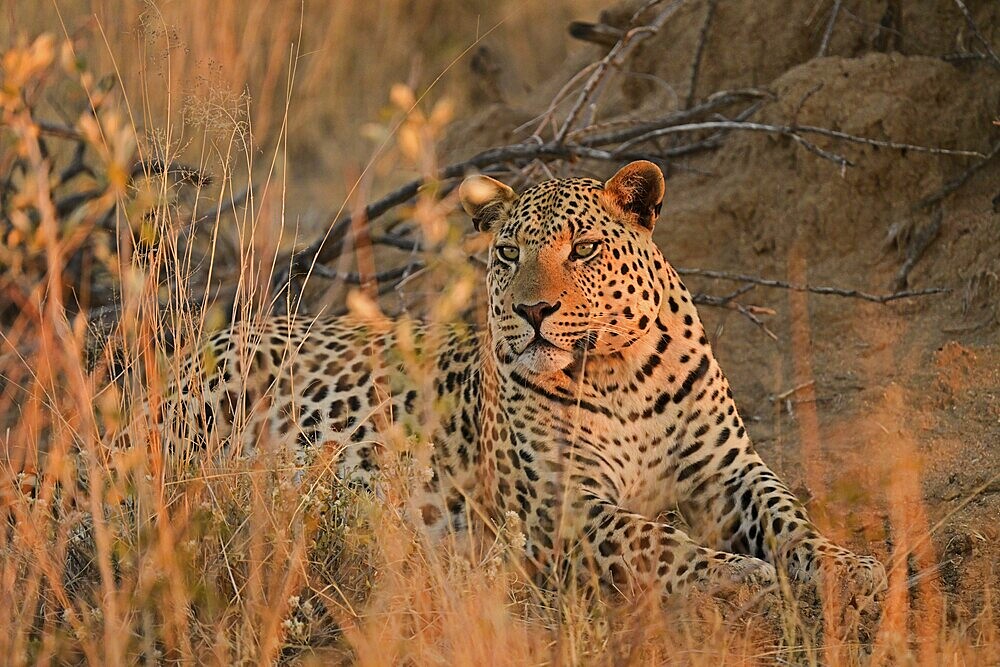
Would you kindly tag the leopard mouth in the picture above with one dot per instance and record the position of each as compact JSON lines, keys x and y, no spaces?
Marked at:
{"x":543,"y":357}
{"x":540,"y":356}
{"x":539,"y":342}
{"x":546,"y":358}
{"x":583,"y":345}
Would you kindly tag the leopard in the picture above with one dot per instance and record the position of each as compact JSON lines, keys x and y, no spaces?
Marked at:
{"x":590,"y":405}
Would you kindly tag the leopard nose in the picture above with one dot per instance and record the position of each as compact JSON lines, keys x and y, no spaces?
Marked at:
{"x":536,"y":313}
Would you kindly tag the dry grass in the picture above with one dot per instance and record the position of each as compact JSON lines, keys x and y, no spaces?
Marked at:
{"x":264,"y":560}
{"x":310,"y":80}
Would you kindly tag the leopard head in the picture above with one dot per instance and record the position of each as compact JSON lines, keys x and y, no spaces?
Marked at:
{"x":573,"y":269}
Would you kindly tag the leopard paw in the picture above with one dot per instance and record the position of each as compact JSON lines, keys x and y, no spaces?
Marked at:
{"x":861,"y":579}
{"x":743,"y":575}
{"x":855,"y":581}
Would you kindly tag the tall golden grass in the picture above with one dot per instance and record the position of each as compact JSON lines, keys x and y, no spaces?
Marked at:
{"x":306,"y":78}
{"x":120,"y":555}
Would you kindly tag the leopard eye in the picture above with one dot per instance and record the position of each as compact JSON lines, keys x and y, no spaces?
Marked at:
{"x":508,"y":253}
{"x":585,"y":250}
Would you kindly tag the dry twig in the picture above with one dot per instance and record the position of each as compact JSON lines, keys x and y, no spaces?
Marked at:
{"x":962,"y":56}
{"x":58,"y":130}
{"x":387,"y":276}
{"x":994,"y":58}
{"x":729,"y":301}
{"x":698,"y":52}
{"x":830,"y":291}
{"x":918,"y":244}
{"x":632,"y":38}
{"x":959,"y":181}
{"x":777,"y":398}
{"x":795,"y":132}
{"x":396,"y":241}
{"x":614,"y":142}
{"x":599,"y":135}
{"x":831,"y":22}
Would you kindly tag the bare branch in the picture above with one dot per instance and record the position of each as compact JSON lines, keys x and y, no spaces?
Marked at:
{"x":879,"y":143}
{"x":961,"y":56}
{"x":544,"y":118}
{"x":834,"y":13}
{"x":698,"y":51}
{"x":741,"y":125}
{"x":829,"y":291}
{"x":396,"y":241}
{"x":355,"y":278}
{"x":795,"y":131}
{"x":57,"y":130}
{"x":617,"y":54}
{"x":750,"y":315}
{"x":918,"y":244}
{"x":958,"y":181}
{"x":594,"y":136}
{"x":729,"y":302}
{"x":994,"y":58}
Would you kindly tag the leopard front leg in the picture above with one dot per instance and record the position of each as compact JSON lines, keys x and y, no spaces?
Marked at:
{"x":631,"y":553}
{"x":747,"y":509}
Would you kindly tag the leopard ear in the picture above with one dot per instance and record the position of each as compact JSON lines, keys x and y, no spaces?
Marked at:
{"x":637,"y":189}
{"x":485,"y":199}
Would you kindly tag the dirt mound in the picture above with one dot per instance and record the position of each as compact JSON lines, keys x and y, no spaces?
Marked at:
{"x":755,"y":43}
{"x":891,"y":407}
{"x":768,"y":191}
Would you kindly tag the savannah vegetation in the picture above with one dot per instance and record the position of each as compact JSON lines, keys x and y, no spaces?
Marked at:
{"x":170,"y":167}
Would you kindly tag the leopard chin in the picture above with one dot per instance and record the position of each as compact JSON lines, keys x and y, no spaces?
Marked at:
{"x":542,"y":358}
